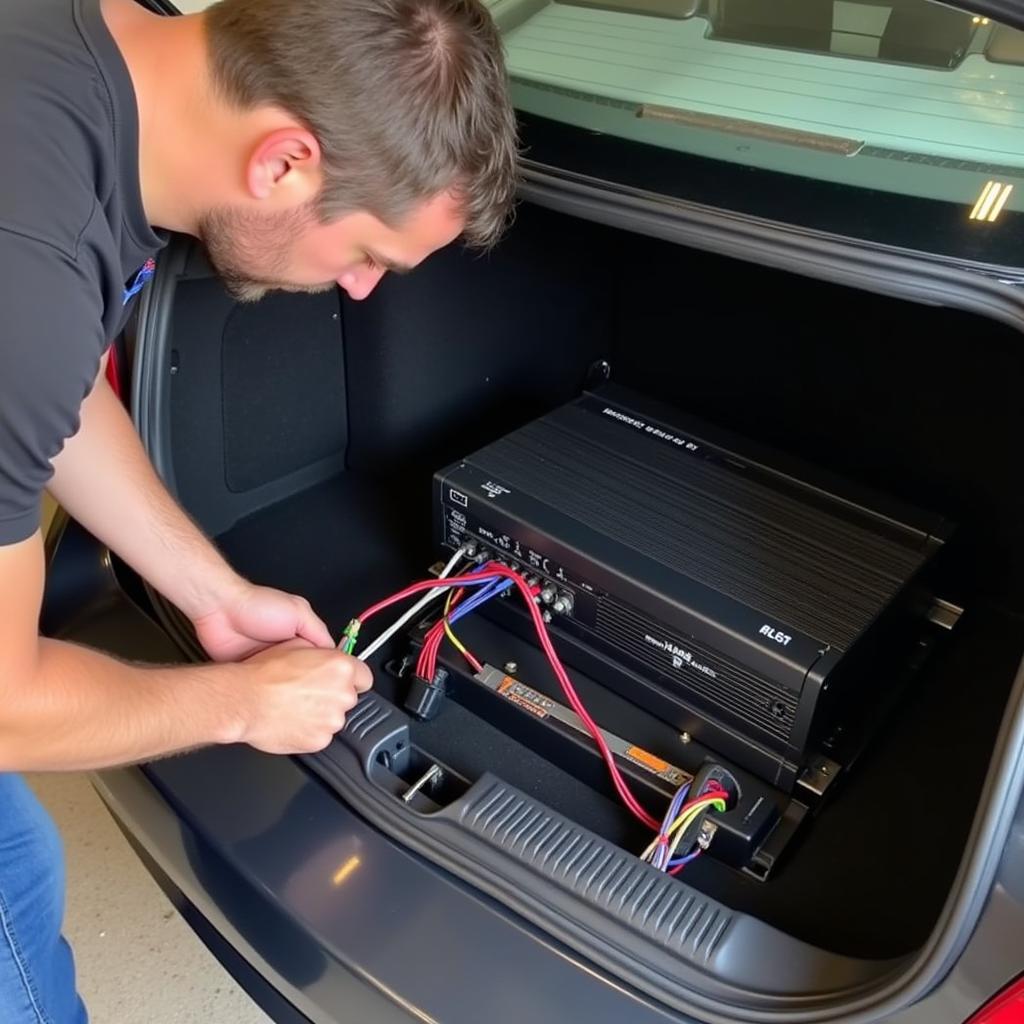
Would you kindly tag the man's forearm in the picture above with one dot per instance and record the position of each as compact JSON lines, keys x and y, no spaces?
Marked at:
{"x":104,"y":479}
{"x":65,"y":707}
{"x":83,"y":710}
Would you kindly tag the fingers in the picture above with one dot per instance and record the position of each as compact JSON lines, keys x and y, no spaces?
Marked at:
{"x":311,"y":627}
{"x":302,"y":696}
{"x":272,"y":650}
{"x":362,"y":677}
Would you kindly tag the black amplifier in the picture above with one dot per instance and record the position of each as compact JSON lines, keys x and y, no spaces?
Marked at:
{"x":741,"y":597}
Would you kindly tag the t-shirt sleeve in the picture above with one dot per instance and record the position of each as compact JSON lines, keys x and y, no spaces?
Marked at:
{"x":51,"y":342}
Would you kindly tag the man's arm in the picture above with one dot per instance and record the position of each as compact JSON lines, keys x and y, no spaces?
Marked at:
{"x":104,"y":479}
{"x":65,"y":707}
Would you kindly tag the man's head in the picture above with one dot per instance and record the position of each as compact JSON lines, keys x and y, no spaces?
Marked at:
{"x":390,"y":133}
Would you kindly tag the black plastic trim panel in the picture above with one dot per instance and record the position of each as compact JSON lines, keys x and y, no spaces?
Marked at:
{"x":668,"y":912}
{"x":655,"y":933}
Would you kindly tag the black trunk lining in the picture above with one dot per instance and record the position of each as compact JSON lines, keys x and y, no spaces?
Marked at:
{"x":870,"y":874}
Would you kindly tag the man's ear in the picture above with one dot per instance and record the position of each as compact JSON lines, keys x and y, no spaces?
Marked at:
{"x":285,"y":166}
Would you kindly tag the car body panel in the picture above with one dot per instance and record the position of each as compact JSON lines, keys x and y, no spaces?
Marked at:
{"x":346,"y":924}
{"x":330,"y":904}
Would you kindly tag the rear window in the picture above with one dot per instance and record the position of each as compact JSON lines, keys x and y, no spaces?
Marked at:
{"x":905,"y":98}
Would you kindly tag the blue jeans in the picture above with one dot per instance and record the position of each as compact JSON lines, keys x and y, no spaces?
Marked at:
{"x":37,"y":970}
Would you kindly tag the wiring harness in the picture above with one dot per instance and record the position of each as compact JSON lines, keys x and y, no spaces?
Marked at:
{"x":466,"y":592}
{"x":679,"y":819}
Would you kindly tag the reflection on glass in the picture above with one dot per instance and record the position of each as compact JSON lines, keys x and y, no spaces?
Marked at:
{"x":991,"y":201}
{"x":908,"y":96}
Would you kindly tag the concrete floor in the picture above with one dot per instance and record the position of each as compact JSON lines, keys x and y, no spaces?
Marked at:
{"x":138,"y":962}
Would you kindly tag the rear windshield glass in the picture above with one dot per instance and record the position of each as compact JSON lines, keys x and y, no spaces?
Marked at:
{"x":909,"y":97}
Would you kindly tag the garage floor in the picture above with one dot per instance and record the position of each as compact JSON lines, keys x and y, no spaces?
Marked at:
{"x":138,"y":962}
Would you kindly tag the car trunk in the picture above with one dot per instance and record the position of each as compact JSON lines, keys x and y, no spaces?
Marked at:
{"x":302,"y":432}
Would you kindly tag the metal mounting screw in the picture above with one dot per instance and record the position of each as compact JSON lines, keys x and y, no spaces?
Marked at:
{"x":511,"y":668}
{"x":685,"y":737}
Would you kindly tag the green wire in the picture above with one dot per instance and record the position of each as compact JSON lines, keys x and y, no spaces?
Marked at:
{"x":349,"y":637}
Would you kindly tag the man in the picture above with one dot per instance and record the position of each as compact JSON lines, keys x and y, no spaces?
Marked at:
{"x":310,"y":144}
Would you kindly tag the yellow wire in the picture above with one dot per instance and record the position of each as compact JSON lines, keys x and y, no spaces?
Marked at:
{"x":679,"y":826}
{"x":676,"y":829}
{"x":456,"y":642}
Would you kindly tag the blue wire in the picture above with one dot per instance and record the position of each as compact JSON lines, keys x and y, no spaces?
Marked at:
{"x":679,"y":861}
{"x":677,"y":802}
{"x":670,"y":815}
{"x":484,"y":584}
{"x":493,"y":588}
{"x":696,"y":853}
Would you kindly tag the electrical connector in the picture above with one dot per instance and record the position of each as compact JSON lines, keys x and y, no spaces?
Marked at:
{"x":707,"y":832}
{"x":426,"y":696}
{"x":350,"y":636}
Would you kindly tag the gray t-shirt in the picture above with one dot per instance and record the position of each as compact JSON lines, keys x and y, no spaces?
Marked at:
{"x":73,"y":232}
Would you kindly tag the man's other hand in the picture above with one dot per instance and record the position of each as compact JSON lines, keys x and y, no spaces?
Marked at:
{"x":250,"y":619}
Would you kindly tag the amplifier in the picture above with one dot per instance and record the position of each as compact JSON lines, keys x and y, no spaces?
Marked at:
{"x":741,"y":597}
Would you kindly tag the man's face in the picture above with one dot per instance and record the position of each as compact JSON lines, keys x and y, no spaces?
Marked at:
{"x":292,"y":250}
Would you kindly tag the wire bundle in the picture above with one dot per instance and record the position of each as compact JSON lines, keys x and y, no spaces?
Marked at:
{"x":348,"y":640}
{"x":487,"y":574}
{"x":426,"y":665}
{"x":488,"y":581}
{"x":680,"y":815}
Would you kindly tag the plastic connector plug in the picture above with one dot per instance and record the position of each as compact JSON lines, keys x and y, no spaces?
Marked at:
{"x":426,"y":697}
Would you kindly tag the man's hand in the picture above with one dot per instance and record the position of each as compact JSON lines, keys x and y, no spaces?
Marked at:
{"x":249,"y":619}
{"x":64,"y":707}
{"x":293,"y":699}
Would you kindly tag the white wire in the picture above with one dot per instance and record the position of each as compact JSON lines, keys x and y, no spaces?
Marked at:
{"x":422,"y":603}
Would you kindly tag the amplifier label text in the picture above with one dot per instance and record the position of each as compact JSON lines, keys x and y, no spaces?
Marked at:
{"x":680,"y":656}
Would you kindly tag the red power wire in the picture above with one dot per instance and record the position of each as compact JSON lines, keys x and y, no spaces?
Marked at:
{"x":426,"y":664}
{"x":417,"y":588}
{"x":432,"y":643}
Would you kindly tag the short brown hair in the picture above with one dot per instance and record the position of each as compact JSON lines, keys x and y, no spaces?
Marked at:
{"x":407,"y":98}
